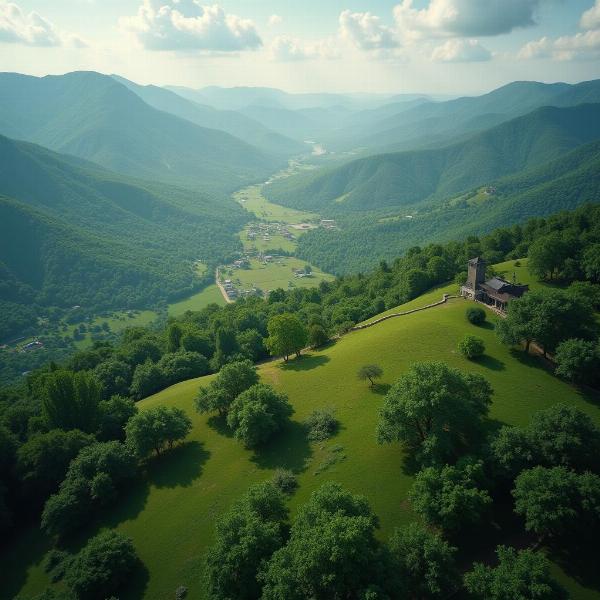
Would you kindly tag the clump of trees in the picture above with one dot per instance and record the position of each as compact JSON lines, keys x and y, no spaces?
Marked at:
{"x":287,"y":335}
{"x":436,"y":411}
{"x":471,"y":347}
{"x":156,"y":428}
{"x":578,"y":360}
{"x":321,"y":425}
{"x":370,"y":372}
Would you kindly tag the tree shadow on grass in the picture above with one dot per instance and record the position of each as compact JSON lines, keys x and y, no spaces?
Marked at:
{"x":135,"y":589}
{"x":489,"y":325}
{"x":381,"y":389}
{"x":177,"y":467}
{"x":579,"y":559}
{"x":491,"y":363}
{"x":289,"y":449}
{"x":218,"y":423}
{"x":306,"y":362}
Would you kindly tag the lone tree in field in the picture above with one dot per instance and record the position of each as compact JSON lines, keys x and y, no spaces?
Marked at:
{"x":471,"y":347}
{"x":287,"y":335}
{"x":436,"y":411}
{"x":370,"y":372}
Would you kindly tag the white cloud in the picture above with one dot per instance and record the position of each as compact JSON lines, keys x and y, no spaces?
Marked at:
{"x":461,"y":51}
{"x":288,"y":49}
{"x":365,"y":31}
{"x":464,"y":18}
{"x":189,"y":25}
{"x":584,"y":45}
{"x":275,"y":20}
{"x":590,"y":19}
{"x":31,"y":29}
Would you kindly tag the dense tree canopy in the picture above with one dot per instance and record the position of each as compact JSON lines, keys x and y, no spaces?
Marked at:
{"x":287,"y":335}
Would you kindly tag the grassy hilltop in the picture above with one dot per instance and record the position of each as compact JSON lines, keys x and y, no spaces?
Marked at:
{"x":171,"y":513}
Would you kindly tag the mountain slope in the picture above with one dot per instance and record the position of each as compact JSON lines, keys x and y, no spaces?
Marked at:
{"x":360,"y":243}
{"x":230,"y":121}
{"x":408,"y":178}
{"x":73,"y":233}
{"x":94,"y":117}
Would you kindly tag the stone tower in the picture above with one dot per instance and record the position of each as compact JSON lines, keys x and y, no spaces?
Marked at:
{"x":476,"y":273}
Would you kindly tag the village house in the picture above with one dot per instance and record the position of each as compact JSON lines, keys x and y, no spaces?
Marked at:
{"x":495,"y":292}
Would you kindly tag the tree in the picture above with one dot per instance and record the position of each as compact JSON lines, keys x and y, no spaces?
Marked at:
{"x":519,"y":574}
{"x":321,"y":424}
{"x":196,"y":341}
{"x":257,"y":413}
{"x":475,"y":315}
{"x":42,"y":462}
{"x":435,"y":410}
{"x":332,"y":551}
{"x":547,"y":255}
{"x":233,"y":379}
{"x":174,"y":334}
{"x":114,"y":376}
{"x":423,"y":562}
{"x":251,"y":344}
{"x":577,"y":360}
{"x":591,"y":262}
{"x":70,"y":400}
{"x":449,"y":497}
{"x":155,"y":428}
{"x":102,"y":566}
{"x":471,"y":347}
{"x":287,"y":335}
{"x":370,"y":372}
{"x":558,"y":502}
{"x":547,"y":317}
{"x":92,"y":481}
{"x":317,"y":336}
{"x":245,"y":537}
{"x":561,"y":435}
{"x":182,"y":365}
{"x":147,"y":379}
{"x":114,"y":415}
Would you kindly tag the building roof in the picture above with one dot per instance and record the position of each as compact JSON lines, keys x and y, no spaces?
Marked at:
{"x":497,"y":283}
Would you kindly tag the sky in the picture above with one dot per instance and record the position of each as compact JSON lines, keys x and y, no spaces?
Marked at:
{"x":375,"y":46}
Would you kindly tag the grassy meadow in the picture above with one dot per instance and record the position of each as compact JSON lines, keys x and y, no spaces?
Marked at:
{"x":209,"y":295}
{"x":170,"y":512}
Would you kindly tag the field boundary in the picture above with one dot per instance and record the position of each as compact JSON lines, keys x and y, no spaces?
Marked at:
{"x":444,"y":299}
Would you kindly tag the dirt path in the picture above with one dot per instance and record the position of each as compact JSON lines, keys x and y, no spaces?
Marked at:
{"x":221,"y":288}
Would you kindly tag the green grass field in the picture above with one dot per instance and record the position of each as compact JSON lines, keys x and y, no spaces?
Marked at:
{"x":276,"y":274}
{"x":209,"y":295}
{"x":252,"y":200}
{"x":276,"y":242}
{"x":170,"y":514}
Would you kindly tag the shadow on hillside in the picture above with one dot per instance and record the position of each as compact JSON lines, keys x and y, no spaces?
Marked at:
{"x":491,"y":363}
{"x":178,"y":467}
{"x":306,"y":362}
{"x":218,"y":423}
{"x":290,"y":449}
{"x":579,"y":560}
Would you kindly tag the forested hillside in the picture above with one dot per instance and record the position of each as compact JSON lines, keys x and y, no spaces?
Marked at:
{"x":72,"y":233}
{"x":408,"y":178}
{"x":96,"y":118}
{"x":362,"y":241}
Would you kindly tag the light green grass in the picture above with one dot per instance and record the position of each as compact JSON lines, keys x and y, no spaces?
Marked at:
{"x":276,"y":242}
{"x":276,"y":274}
{"x":252,"y":200}
{"x":209,"y":295}
{"x":171,"y":514}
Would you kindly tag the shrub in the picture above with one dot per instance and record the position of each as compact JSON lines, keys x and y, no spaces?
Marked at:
{"x":285,"y":480}
{"x":321,"y":424}
{"x":476,"y":315}
{"x":471,"y":347}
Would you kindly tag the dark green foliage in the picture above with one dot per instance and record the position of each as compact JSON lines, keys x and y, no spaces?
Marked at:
{"x":317,"y":336}
{"x":114,"y":414}
{"x":558,"y":436}
{"x":102,"y":566}
{"x":114,"y":377}
{"x":475,"y":314}
{"x":246,"y":536}
{"x":92,"y":481}
{"x":287,"y":335}
{"x":232,"y":380}
{"x":423,"y":562}
{"x":332,"y":551}
{"x":435,"y":411}
{"x":548,"y":255}
{"x":257,"y":413}
{"x":471,"y":347}
{"x":577,"y":360}
{"x":285,"y":481}
{"x":321,"y":425}
{"x":451,"y":497}
{"x":558,"y":502}
{"x":147,"y":379}
{"x":70,"y":400}
{"x":519,"y":574}
{"x":153,"y":429}
{"x":42,"y":462}
{"x":178,"y":366}
{"x":370,"y":372}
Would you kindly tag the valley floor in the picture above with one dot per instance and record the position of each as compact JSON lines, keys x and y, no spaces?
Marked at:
{"x":170,"y":514}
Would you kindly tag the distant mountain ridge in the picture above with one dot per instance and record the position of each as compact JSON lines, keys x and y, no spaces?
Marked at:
{"x":409,"y":178}
{"x":92,"y":116}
